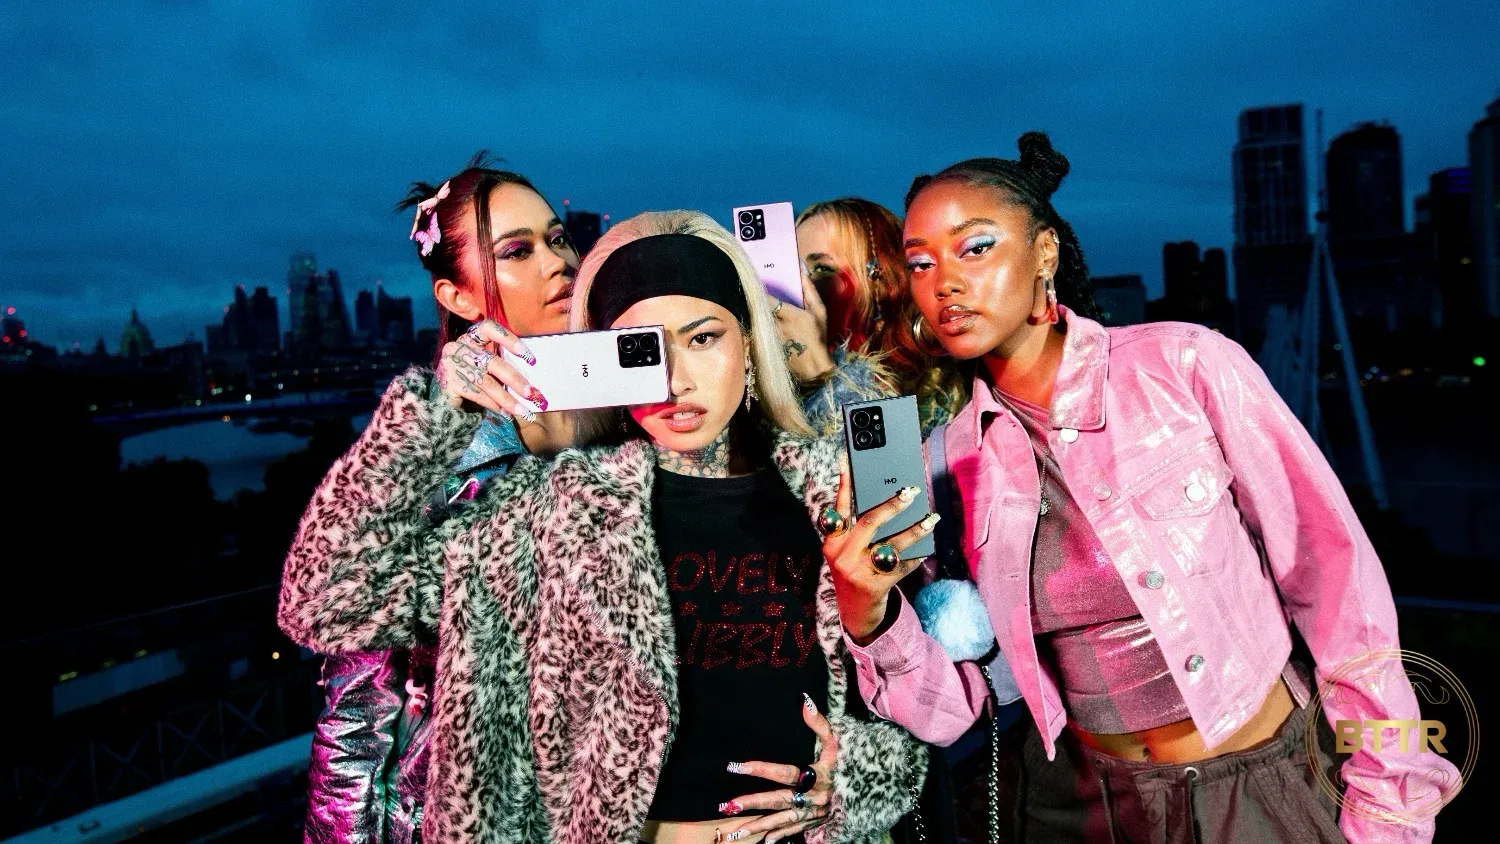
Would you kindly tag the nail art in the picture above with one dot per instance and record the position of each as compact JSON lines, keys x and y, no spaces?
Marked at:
{"x":525,"y":352}
{"x":528,"y":416}
{"x":730,"y":808}
{"x":930,"y":522}
{"x":807,"y":701}
{"x":736,"y":835}
{"x":736,"y":767}
{"x":537,"y":398}
{"x":907,"y":493}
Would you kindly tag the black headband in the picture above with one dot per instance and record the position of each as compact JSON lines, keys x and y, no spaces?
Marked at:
{"x":665,"y":265}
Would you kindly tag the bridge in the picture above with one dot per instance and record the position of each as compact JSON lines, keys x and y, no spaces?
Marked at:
{"x":320,"y":403}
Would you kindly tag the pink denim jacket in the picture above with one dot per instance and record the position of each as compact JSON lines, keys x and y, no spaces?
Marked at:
{"x":1224,"y":521}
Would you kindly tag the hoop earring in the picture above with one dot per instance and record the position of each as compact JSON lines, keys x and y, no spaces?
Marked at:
{"x":750,"y":394}
{"x":931,"y":347}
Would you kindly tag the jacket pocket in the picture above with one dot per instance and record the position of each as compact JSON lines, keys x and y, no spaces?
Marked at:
{"x":1191,"y":513}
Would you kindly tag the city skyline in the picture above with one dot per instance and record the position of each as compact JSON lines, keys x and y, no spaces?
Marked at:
{"x":211,"y":144}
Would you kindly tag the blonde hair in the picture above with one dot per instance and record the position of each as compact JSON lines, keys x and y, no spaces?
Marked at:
{"x":779,"y":402}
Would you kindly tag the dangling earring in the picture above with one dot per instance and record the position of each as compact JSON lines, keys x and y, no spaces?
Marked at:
{"x":930,"y":346}
{"x":1051,"y":288}
{"x":750,"y":394}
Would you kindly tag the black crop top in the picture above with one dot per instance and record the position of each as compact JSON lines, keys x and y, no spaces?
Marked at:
{"x":742,"y":563}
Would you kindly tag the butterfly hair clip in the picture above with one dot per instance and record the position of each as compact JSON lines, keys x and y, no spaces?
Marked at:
{"x":430,"y":235}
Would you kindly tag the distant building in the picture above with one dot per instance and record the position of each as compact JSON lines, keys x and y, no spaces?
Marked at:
{"x":584,"y":228}
{"x":319,"y":317}
{"x":300,"y":276}
{"x":1121,"y":298}
{"x":394,"y":319}
{"x":135,"y":341}
{"x":1484,"y":198}
{"x":365,"y":333}
{"x":1384,"y":281}
{"x":1443,"y":233}
{"x":251,"y":326}
{"x":1365,"y":194}
{"x":1196,"y":287}
{"x":1272,"y":250}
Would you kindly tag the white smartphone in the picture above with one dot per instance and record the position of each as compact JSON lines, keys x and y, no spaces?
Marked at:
{"x":769,"y":235}
{"x":619,"y":367}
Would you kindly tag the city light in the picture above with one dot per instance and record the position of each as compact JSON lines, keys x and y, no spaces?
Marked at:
{"x":247,"y":397}
{"x":1478,"y":361}
{"x":275,"y":654}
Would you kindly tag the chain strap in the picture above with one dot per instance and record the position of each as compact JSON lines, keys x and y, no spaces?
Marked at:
{"x":993,"y":781}
{"x":916,"y":812}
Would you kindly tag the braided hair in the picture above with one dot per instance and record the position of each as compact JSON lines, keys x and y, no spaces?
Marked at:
{"x":1030,"y":183}
{"x":468,"y":193}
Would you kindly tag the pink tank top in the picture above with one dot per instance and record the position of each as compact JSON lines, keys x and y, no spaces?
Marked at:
{"x":1113,"y":676}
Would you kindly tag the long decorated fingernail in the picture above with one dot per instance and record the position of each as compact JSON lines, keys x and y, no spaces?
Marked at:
{"x":537,"y":398}
{"x":930,"y":522}
{"x":807,"y":702}
{"x":525,"y":352}
{"x":735,"y":767}
{"x":736,"y":835}
{"x":907,"y":493}
{"x":528,"y":416}
{"x":730,"y":808}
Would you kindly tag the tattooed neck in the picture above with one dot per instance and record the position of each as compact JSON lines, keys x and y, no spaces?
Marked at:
{"x":711,"y":461}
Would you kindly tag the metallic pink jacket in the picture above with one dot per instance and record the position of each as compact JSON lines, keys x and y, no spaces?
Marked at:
{"x":1224,"y":521}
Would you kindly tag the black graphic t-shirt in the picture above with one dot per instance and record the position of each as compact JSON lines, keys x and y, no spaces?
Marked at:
{"x":742,"y":563}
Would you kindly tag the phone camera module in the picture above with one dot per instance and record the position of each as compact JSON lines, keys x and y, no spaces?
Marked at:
{"x":869,"y":430}
{"x":638,"y":350}
{"x":752,"y":222}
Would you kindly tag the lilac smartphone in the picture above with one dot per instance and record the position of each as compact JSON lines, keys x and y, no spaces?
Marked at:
{"x":769,"y":235}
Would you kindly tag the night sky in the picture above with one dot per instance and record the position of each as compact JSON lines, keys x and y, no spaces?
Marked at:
{"x":159,"y":153}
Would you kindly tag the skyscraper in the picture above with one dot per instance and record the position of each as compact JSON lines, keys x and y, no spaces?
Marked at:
{"x":1196,"y":288}
{"x":1367,"y":244}
{"x":1272,"y":249}
{"x":1444,"y":235}
{"x":1484,"y":198}
{"x":1364,"y":183}
{"x":299,"y":277}
{"x":366,"y":332}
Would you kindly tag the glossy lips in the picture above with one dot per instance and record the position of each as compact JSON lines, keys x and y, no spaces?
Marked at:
{"x":683,"y":418}
{"x":955,"y":319}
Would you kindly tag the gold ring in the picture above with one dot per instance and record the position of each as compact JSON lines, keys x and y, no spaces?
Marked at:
{"x":884,"y":558}
{"x":831,"y":522}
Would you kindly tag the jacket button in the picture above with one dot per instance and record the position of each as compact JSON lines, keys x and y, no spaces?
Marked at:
{"x":1196,"y":492}
{"x":1068,"y":434}
{"x":1194,"y":662}
{"x":1155,"y":579}
{"x":1101,"y":492}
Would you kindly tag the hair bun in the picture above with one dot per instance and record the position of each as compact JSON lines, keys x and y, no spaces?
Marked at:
{"x":1046,"y":165}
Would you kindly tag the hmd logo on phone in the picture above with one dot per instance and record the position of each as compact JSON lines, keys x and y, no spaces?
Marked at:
{"x":585,"y":370}
{"x":890,"y":480}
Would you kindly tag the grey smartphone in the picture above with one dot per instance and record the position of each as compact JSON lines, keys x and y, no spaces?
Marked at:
{"x":884,"y":439}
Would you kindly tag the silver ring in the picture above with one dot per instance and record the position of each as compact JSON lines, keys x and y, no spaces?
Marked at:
{"x":776,"y":310}
{"x":799,"y":800}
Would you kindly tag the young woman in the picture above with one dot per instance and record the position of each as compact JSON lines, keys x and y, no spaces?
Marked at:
{"x":1142,"y":515}
{"x":633,"y":635}
{"x":852,"y":251}
{"x":371,"y":744}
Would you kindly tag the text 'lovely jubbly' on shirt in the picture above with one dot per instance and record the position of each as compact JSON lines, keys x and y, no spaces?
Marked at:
{"x":747,"y":610}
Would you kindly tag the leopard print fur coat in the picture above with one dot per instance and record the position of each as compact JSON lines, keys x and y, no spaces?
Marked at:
{"x":556,"y":694}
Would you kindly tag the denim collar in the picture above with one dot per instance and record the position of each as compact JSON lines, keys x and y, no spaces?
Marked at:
{"x":496,"y":441}
{"x":1077,"y":393}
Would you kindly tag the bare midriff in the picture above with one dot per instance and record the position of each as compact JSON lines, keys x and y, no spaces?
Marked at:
{"x":697,"y":832}
{"x":1180,"y":743}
